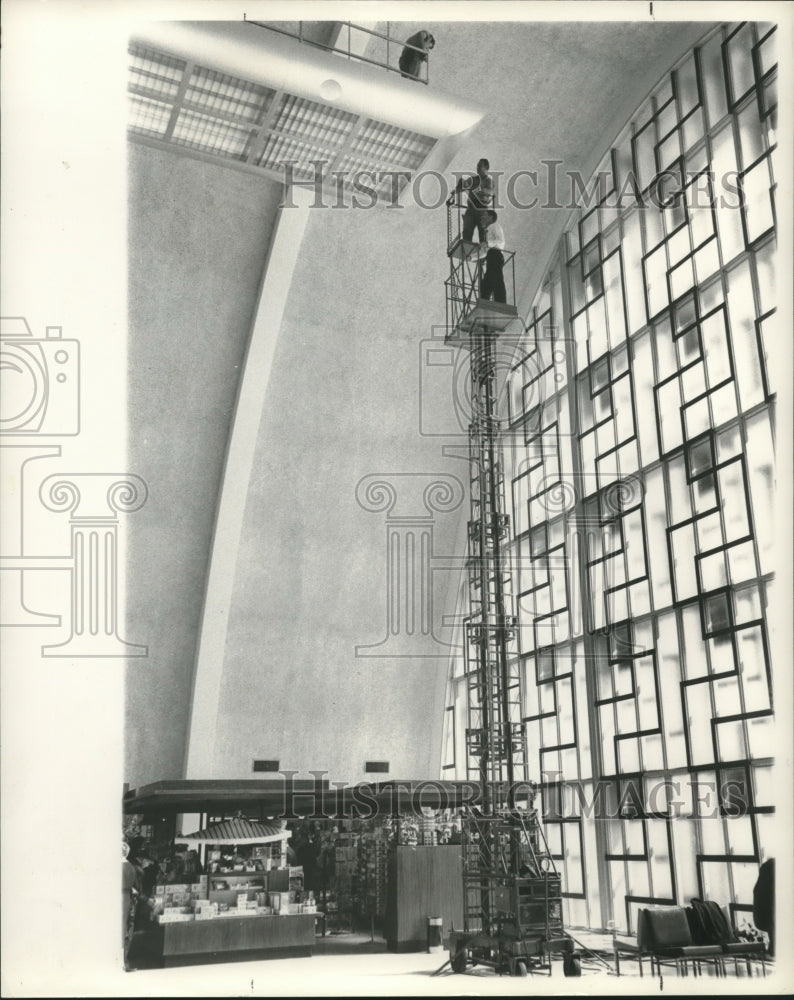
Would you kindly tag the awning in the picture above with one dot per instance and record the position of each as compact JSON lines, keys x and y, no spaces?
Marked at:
{"x":296,"y":797}
{"x":264,"y":797}
{"x":236,"y":831}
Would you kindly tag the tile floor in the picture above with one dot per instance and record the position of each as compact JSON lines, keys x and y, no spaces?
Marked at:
{"x":353,"y":965}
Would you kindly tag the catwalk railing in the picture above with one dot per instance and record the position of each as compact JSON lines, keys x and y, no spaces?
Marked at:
{"x":352,"y":41}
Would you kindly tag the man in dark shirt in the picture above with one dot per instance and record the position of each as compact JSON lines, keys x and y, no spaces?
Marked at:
{"x":481,"y":200}
{"x":415,"y":53}
{"x":130,"y":887}
{"x":764,"y":901}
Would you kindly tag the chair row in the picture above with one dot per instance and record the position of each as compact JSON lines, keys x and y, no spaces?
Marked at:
{"x":664,"y":937}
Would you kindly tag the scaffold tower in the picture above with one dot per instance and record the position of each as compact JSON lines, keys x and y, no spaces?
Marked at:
{"x":512,"y":891}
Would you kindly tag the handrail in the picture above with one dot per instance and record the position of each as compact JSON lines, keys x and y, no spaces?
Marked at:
{"x":464,"y":283}
{"x":388,"y":38}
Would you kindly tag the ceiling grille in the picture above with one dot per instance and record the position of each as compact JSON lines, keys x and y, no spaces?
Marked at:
{"x":376,"y":174}
{"x":176,"y":103}
{"x":392,"y":144}
{"x":155,"y":72}
{"x":221,"y":94}
{"x":207,"y":133}
{"x":280,"y":150}
{"x":354,"y":164}
{"x":314,"y":122}
{"x":149,"y":117}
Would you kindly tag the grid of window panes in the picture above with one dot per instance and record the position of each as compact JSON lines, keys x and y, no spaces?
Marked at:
{"x":640,"y":448}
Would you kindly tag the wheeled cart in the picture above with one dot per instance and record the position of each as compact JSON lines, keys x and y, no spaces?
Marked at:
{"x":512,"y":922}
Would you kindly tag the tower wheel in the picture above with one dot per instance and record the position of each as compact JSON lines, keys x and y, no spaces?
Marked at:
{"x":457,"y":960}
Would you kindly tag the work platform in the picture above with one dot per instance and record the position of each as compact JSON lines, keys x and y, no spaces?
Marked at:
{"x":484,"y":315}
{"x":469,"y":316}
{"x":461,"y":249}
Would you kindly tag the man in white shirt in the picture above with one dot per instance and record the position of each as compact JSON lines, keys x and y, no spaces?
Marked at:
{"x":491,"y":247}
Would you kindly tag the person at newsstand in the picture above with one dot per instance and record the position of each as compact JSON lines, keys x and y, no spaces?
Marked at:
{"x":130,"y":889}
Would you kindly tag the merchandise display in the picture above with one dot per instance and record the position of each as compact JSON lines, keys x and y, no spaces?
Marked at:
{"x":373,"y":859}
{"x":260,"y":888}
{"x":234,"y":895}
{"x":346,"y":878}
{"x":355,"y":892}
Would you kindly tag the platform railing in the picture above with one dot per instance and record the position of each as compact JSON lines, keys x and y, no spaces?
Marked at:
{"x":465,"y":280}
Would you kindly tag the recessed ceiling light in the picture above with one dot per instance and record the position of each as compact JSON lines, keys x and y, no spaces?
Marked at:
{"x":331,"y":90}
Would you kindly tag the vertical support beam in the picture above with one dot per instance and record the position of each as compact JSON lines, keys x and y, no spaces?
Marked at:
{"x":210,"y":654}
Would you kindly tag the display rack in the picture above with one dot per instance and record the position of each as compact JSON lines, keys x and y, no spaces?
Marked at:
{"x":346,"y":879}
{"x":373,"y":861}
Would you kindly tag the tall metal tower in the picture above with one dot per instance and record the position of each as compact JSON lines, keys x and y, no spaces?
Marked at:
{"x":512,"y":892}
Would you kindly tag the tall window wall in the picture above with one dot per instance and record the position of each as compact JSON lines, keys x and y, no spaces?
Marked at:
{"x":639,"y":446}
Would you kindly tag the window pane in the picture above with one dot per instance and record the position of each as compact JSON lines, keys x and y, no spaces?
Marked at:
{"x":740,"y":62}
{"x":711,"y":67}
{"x":745,"y":344}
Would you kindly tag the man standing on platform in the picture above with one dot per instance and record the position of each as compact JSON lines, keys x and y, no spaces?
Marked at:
{"x":491,"y":248}
{"x":482,"y":192}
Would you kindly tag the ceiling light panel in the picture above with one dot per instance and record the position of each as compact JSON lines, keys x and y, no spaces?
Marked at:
{"x":388,"y":143}
{"x":317,"y":123}
{"x":154,"y":82}
{"x":149,"y":117}
{"x":210,"y":135}
{"x":220,"y":94}
{"x":174,"y":102}
{"x":155,"y":72}
{"x":283,"y":149}
{"x":378,"y":175}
